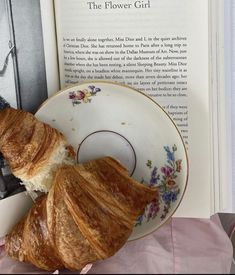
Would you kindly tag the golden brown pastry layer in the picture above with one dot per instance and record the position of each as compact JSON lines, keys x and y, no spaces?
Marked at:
{"x":31,"y":147}
{"x":88,"y":215}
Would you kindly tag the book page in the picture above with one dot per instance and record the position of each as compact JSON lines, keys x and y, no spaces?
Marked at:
{"x":159,"y":47}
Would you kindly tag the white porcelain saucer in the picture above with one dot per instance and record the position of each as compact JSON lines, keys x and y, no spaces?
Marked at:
{"x":103,"y":118}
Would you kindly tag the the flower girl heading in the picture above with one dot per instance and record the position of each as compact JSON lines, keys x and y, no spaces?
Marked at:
{"x":93,"y":5}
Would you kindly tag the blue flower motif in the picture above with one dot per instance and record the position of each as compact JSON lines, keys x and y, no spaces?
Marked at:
{"x":91,"y":87}
{"x":139,"y":220}
{"x":94,"y":90}
{"x":169,"y":196}
{"x":154,"y":177}
{"x":170,"y":155}
{"x":174,"y":196}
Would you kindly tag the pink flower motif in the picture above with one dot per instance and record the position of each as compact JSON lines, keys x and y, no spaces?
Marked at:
{"x":153,"y":209}
{"x":84,"y":96}
{"x":166,"y":170}
{"x":72,"y":95}
{"x":80,"y":95}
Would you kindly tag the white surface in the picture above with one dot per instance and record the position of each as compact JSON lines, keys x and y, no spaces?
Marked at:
{"x":233,"y":97}
{"x":101,"y":144}
{"x":50,"y":46}
{"x":220,"y":113}
{"x":12,"y":209}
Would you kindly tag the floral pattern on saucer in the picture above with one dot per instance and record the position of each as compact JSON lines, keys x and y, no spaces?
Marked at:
{"x":168,"y":189}
{"x":85,"y":95}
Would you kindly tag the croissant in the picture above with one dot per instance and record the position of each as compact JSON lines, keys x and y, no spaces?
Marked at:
{"x":88,"y":215}
{"x":32,"y":148}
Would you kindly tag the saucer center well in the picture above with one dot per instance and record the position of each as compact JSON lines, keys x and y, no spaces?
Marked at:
{"x":107,"y":143}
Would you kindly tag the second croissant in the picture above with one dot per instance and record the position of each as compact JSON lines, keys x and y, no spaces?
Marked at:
{"x":88,"y":215}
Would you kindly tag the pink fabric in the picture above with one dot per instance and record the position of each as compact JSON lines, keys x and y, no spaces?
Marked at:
{"x":180,"y":246}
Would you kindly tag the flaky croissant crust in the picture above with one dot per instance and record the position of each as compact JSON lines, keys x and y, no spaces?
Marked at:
{"x":88,"y":215}
{"x":26,"y":142}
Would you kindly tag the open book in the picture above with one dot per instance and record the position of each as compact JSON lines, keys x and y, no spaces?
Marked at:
{"x":171,"y":50}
